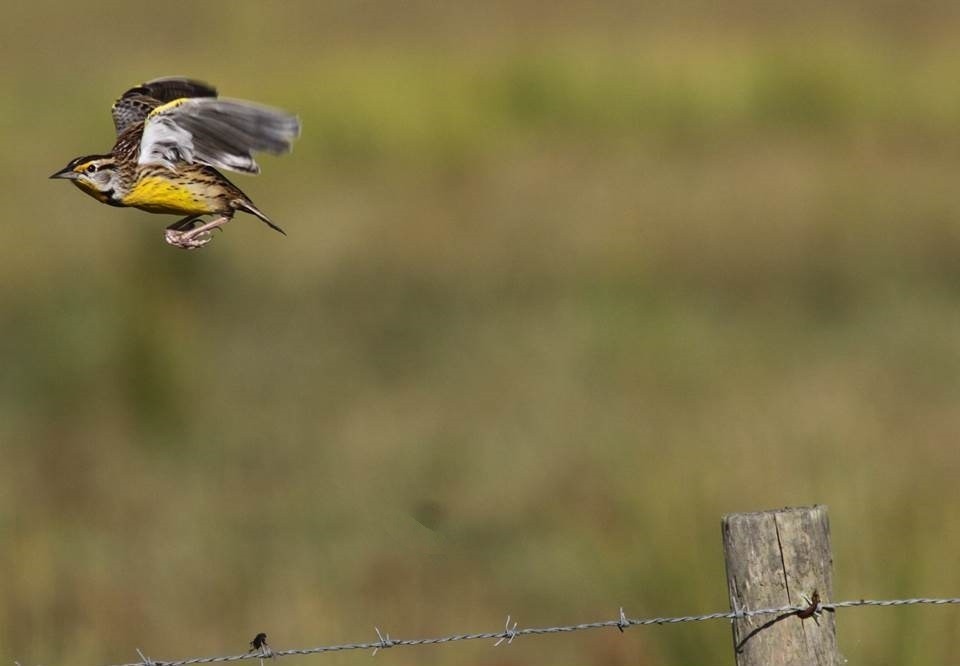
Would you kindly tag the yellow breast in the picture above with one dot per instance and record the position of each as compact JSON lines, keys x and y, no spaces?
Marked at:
{"x":162,"y":195}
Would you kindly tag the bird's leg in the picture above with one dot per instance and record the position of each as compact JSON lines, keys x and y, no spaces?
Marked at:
{"x":181,"y":235}
{"x":184,"y":224}
{"x":204,"y":229}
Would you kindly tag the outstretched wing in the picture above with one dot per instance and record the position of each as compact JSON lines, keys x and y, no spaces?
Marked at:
{"x":136,"y":104}
{"x":221,"y":133}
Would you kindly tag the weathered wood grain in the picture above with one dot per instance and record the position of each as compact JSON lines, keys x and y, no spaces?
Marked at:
{"x":776,"y":558}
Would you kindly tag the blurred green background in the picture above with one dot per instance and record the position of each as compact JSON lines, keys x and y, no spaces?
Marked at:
{"x":563,"y":284}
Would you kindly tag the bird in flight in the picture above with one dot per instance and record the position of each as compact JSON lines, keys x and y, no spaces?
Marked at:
{"x":173,"y":134}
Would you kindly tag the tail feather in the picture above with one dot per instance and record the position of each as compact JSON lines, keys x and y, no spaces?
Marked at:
{"x":248,"y":207}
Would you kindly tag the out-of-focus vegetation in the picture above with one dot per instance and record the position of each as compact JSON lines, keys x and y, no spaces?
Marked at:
{"x":562,"y":285}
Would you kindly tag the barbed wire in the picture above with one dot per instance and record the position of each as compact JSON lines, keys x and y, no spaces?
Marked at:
{"x":509,"y":633}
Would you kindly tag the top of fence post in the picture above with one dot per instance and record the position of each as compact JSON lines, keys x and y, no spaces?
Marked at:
{"x":774,"y":559}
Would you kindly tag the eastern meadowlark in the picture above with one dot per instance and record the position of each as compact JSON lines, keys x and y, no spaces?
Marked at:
{"x":172,"y":136}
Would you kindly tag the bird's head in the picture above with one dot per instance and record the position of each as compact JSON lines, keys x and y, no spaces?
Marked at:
{"x":94,"y":174}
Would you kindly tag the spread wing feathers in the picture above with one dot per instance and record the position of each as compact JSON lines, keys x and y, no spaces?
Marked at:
{"x":137,"y":103}
{"x":221,"y":133}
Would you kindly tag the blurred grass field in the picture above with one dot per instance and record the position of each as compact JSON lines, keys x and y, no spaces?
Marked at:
{"x":563,"y":284}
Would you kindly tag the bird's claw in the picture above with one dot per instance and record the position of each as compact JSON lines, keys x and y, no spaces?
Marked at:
{"x":186,"y":240}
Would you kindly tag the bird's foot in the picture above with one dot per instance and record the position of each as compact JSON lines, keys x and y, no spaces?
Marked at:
{"x":186,"y":237}
{"x":186,"y":240}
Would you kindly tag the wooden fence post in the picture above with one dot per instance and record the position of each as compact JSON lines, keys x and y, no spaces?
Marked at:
{"x":776,"y":558}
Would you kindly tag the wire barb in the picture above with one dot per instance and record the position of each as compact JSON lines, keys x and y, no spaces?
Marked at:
{"x":509,"y":633}
{"x":814,"y":607}
{"x":738,"y":613}
{"x":385,"y":642}
{"x":623,"y":622}
{"x":146,"y":661}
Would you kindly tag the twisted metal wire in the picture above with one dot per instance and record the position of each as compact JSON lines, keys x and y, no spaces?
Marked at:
{"x":509,"y":633}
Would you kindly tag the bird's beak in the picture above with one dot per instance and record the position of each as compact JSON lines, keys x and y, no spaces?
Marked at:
{"x":66,"y":172}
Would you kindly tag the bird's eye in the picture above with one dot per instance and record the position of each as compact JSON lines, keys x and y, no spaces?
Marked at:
{"x":91,"y":168}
